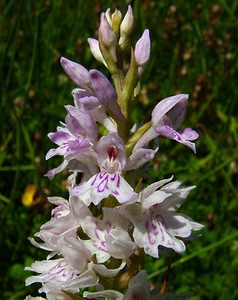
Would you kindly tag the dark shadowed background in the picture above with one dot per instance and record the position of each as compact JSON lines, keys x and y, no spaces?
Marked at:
{"x":194,"y":51}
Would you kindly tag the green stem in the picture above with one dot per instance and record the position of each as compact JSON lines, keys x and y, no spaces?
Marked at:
{"x":116,"y":77}
{"x":4,"y":198}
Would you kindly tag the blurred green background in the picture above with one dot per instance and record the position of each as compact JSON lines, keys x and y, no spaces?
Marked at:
{"x":194,"y":51}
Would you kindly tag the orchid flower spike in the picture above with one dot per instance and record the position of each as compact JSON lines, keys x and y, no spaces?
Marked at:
{"x":97,"y":238}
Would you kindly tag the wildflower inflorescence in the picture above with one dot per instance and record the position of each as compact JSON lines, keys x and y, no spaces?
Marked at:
{"x":97,"y":238}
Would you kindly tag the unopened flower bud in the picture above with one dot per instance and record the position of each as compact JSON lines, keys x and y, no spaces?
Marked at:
{"x":142,"y":49}
{"x":127,"y":23}
{"x":108,"y":16}
{"x":105,"y":92}
{"x":76,"y":72}
{"x":116,"y":21}
{"x":107,"y":36}
{"x":106,"y":33}
{"x":126,"y":28}
{"x":94,"y":47}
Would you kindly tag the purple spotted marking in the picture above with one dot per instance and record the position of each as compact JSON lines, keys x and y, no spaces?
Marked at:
{"x":163,"y":232}
{"x":103,"y":244}
{"x":103,"y":184}
{"x":59,"y":211}
{"x":115,"y":193}
{"x":95,"y":178}
{"x":118,"y":181}
{"x":102,"y":174}
{"x":113,"y":177}
{"x":100,"y":246}
{"x":102,"y":181}
{"x":103,"y":177}
{"x":64,"y":270}
{"x":156,"y":227}
{"x":177,"y":136}
{"x":151,"y":240}
{"x":160,"y":221}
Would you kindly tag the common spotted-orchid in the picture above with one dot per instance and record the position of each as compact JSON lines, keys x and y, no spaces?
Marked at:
{"x":98,"y":237}
{"x":167,"y":116}
{"x":109,"y":236}
{"x":73,"y":138}
{"x":111,"y":159}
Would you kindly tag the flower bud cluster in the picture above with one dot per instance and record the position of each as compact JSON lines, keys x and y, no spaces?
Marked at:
{"x":99,"y":235}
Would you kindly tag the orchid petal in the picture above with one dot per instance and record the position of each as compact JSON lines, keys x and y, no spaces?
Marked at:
{"x":40,"y":245}
{"x":96,"y":52}
{"x":138,"y":158}
{"x":177,"y":197}
{"x":102,"y":185}
{"x":97,"y":244}
{"x":152,"y":233}
{"x":43,"y":266}
{"x":77,"y":145}
{"x":103,"y":89}
{"x":111,"y":142}
{"x":59,"y":137}
{"x":119,"y":243}
{"x":105,"y":93}
{"x":99,"y":249}
{"x":84,"y":100}
{"x":57,"y":200}
{"x":86,"y":279}
{"x":51,"y":173}
{"x":78,"y":121}
{"x":153,"y":187}
{"x":76,"y":72}
{"x":180,"y":225}
{"x":107,"y":294}
{"x":61,"y":150}
{"x":107,"y":122}
{"x":176,"y":104}
{"x":155,"y":198}
{"x":169,"y":132}
{"x":139,"y":287}
{"x":79,"y":210}
{"x":149,"y":135}
{"x":104,"y":271}
{"x":112,"y":216}
{"x":189,"y":134}
{"x":74,"y":126}
{"x":74,"y":251}
{"x":133,"y":212}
